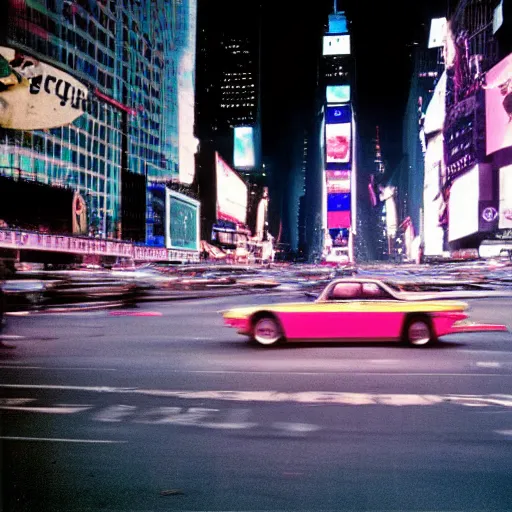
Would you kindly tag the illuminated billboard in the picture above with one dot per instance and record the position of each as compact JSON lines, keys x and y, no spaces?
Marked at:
{"x":231,"y":193}
{"x":338,"y":140}
{"x":155,"y":214}
{"x":498,"y":108}
{"x":182,"y":222}
{"x":505,"y":204}
{"x":337,"y":220}
{"x":338,"y":202}
{"x":337,"y":93}
{"x":243,"y":147}
{"x":463,"y":205}
{"x":35,"y":95}
{"x":336,"y":45}
{"x":337,"y":181}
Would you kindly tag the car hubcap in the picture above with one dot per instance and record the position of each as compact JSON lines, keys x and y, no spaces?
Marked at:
{"x":419,"y":333}
{"x":266,"y":331}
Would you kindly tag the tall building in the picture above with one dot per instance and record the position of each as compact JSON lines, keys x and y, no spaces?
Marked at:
{"x":228,"y":79}
{"x":227,"y":115}
{"x":115,"y":65}
{"x":336,"y":84}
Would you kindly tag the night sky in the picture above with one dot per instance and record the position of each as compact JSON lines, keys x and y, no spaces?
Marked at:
{"x":381,"y":33}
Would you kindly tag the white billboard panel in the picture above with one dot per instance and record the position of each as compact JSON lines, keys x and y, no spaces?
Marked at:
{"x":231,"y":193}
{"x":437,"y":36}
{"x":463,"y":205}
{"x":337,"y":45}
{"x":505,"y":208}
{"x":35,"y":95}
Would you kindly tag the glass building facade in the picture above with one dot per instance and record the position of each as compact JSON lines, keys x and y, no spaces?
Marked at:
{"x":127,"y":54}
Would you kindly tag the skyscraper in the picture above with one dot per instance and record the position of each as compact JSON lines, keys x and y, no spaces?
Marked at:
{"x":117,"y":63}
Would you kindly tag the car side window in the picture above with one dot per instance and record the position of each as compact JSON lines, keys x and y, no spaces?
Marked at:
{"x":345,"y":291}
{"x":374,"y":291}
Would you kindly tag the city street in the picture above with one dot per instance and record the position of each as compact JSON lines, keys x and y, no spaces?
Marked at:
{"x":163,"y":408}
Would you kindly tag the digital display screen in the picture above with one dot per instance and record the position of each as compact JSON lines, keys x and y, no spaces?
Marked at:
{"x":338,"y":114}
{"x":505,"y":207}
{"x":231,"y":193}
{"x":338,"y":220}
{"x":338,"y":202}
{"x":336,"y":45}
{"x":463,"y":205}
{"x":337,"y":93}
{"x":155,"y":215}
{"x":437,"y":36}
{"x":243,"y":147}
{"x":498,"y":106}
{"x":338,"y":141}
{"x":337,"y":181}
{"x":182,"y":215}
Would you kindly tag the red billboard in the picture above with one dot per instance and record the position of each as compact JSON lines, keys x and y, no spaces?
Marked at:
{"x":338,"y":141}
{"x":337,"y":220}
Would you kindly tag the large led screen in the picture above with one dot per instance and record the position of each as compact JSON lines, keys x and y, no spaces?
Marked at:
{"x":337,"y":181}
{"x":337,"y":93}
{"x":182,"y":222}
{"x":338,"y":220}
{"x":338,"y":202}
{"x":231,"y":193}
{"x":463,"y":205}
{"x":336,"y":45}
{"x":505,"y":221}
{"x":338,"y":140}
{"x":498,"y":106}
{"x":243,"y":147}
{"x":155,"y":215}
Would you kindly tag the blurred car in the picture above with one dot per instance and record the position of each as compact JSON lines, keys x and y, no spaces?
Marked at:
{"x":356,"y":310}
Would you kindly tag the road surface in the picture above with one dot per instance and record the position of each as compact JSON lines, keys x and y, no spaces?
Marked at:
{"x":169,"y":410}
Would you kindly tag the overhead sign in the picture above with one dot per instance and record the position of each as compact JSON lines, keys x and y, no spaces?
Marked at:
{"x":35,"y":95}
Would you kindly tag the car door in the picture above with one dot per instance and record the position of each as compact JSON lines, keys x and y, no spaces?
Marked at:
{"x":337,"y":315}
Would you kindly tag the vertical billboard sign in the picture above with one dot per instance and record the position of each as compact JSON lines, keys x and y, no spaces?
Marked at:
{"x":498,"y":108}
{"x":181,"y":222}
{"x":231,"y":193}
{"x":243,"y":148}
{"x":155,"y":215}
{"x":338,"y":136}
{"x":505,"y":204}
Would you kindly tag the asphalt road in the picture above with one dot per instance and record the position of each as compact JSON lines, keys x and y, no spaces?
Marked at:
{"x":177,"y":412}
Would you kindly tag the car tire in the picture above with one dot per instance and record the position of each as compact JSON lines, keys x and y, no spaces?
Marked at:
{"x":267,"y":331}
{"x":418,"y":332}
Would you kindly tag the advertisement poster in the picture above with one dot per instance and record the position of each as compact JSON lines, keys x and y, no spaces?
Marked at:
{"x":338,"y":142}
{"x":182,"y":215}
{"x":35,"y":95}
{"x":505,"y":206}
{"x":338,"y":93}
{"x":337,"y":181}
{"x":498,"y":111}
{"x":79,"y":219}
{"x":244,"y":157}
{"x":231,"y":193}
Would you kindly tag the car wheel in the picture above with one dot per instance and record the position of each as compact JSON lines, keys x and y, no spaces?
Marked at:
{"x":419,"y":333}
{"x":267,"y":331}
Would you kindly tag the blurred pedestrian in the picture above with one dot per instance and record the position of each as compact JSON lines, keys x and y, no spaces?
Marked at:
{"x":4,"y":273}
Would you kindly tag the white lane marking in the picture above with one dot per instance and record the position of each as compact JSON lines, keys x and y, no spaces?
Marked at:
{"x":310,"y":397}
{"x":16,"y":401}
{"x":46,"y":410}
{"x":16,"y":367}
{"x":299,"y":428}
{"x":504,"y":432}
{"x":11,"y":337}
{"x":495,"y":352}
{"x":62,"y":440}
{"x":488,"y":364}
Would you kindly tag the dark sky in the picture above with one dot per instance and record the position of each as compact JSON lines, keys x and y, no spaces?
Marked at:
{"x":381,"y":33}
